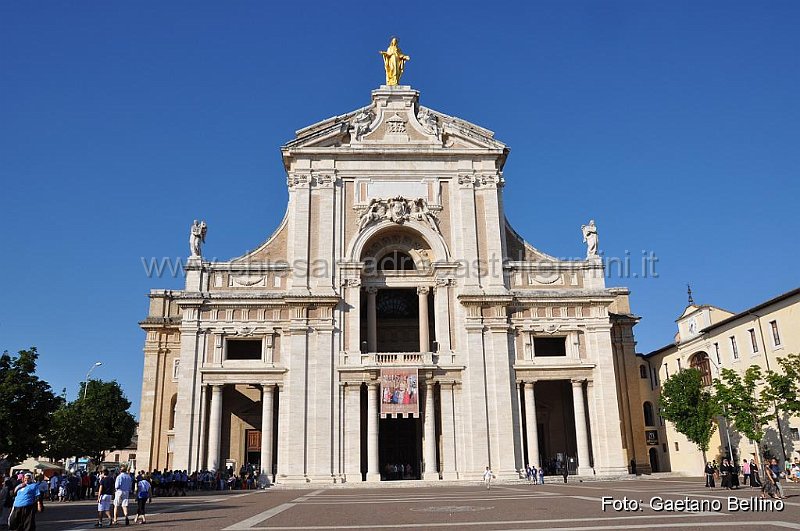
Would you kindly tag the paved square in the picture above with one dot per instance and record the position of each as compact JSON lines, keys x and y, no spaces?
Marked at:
{"x":466,"y":506}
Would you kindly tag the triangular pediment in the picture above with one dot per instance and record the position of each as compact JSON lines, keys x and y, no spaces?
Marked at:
{"x":395,"y":119}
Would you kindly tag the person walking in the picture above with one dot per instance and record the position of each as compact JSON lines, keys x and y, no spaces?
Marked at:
{"x":143,"y":489}
{"x":709,"y":472}
{"x":6,"y":497}
{"x":27,"y":502}
{"x":776,"y":476}
{"x":122,"y":489}
{"x":488,"y":476}
{"x":104,"y":494}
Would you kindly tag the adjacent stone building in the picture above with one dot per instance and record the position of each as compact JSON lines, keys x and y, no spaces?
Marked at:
{"x":393,"y":318}
{"x":710,"y":339}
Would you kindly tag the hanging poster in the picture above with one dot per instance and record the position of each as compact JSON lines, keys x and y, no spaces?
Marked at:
{"x":399,"y":392}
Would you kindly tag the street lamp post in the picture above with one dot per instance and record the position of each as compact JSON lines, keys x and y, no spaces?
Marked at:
{"x":724,"y":414}
{"x":86,"y":385}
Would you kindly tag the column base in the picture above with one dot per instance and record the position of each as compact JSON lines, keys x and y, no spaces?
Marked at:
{"x":430,"y":476}
{"x":450,"y":476}
{"x":373,"y":478}
{"x":352,"y":478}
{"x":585,"y":471}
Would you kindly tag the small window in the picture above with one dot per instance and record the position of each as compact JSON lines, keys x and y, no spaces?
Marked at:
{"x":176,"y":368}
{"x":244,"y":349}
{"x":679,"y":365}
{"x":794,"y":434}
{"x":131,"y":457}
{"x":116,"y":458}
{"x":666,"y":370}
{"x":753,"y":341}
{"x":664,"y":447}
{"x":716,"y":351}
{"x":776,"y":337}
{"x":642,"y":371}
{"x":549,"y":346}
{"x":676,"y":446}
{"x":734,"y":348}
{"x":171,"y":444}
{"x":648,"y":414}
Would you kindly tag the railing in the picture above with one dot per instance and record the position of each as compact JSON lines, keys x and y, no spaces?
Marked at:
{"x":397,"y":359}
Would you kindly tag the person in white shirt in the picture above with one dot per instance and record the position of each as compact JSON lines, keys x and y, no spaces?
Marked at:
{"x":122,"y":488}
{"x":488,"y":476}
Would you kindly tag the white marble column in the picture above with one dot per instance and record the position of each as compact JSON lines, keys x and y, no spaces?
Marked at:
{"x":429,"y":440}
{"x":267,"y":392}
{"x":201,"y":448}
{"x":581,"y":433}
{"x":372,"y":319}
{"x":352,"y":433}
{"x":424,"y":336}
{"x":532,"y":428}
{"x":214,"y":428}
{"x":373,"y":393}
{"x":449,"y":470}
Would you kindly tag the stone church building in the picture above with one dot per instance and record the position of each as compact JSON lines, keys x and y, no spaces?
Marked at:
{"x":393,"y":326}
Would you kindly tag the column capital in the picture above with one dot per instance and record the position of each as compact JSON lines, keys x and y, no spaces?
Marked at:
{"x":577,"y":383}
{"x":589,"y":383}
{"x":423,"y":290}
{"x":372,"y":290}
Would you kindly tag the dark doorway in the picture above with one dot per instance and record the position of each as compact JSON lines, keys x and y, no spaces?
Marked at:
{"x":253,"y":448}
{"x":400,"y":448}
{"x":653,"y":460}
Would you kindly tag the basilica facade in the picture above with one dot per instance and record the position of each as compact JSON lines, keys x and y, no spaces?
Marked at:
{"x":393,"y":326}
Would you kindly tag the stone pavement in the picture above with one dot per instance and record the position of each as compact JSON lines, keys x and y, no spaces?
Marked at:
{"x":464,"y":506}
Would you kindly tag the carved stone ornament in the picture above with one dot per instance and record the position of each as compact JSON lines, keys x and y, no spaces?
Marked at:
{"x":297,"y":179}
{"x":359,"y":126}
{"x":430,"y":121}
{"x":395,"y":124}
{"x":397,"y":210}
{"x":351,"y":282}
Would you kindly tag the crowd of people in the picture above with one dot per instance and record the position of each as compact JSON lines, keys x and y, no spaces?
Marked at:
{"x":727,"y":475}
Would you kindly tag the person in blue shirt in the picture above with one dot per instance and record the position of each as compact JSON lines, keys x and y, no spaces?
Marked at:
{"x":27,"y":501}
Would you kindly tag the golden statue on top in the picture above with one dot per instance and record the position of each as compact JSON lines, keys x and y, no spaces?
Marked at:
{"x":394,"y":62}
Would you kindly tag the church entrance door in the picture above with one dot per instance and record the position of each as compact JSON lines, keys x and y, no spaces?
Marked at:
{"x":400,"y":448}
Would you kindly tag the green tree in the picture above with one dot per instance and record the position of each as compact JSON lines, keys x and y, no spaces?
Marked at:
{"x":93,"y":424}
{"x":783,"y":388}
{"x":26,"y":406}
{"x":690,"y":406}
{"x":748,"y":409}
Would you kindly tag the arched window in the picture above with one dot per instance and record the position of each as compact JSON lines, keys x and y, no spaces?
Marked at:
{"x":701,"y":362}
{"x":648,"y":414}
{"x":173,"y":404}
{"x":642,"y":371}
{"x":396,"y":261}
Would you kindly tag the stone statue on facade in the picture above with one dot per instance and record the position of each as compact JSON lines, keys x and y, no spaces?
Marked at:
{"x":361,"y":123}
{"x":393,"y":62}
{"x":429,"y":121}
{"x":375,"y":212}
{"x":197,"y":237}
{"x":421,"y":212}
{"x":590,"y":238}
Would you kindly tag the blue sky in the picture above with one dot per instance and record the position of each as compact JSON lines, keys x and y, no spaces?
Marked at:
{"x":674,"y":125}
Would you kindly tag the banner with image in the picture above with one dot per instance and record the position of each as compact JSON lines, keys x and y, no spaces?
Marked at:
{"x":399,"y":392}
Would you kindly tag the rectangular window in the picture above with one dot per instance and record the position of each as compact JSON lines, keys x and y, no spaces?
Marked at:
{"x":753,"y":341}
{"x":716,"y":351}
{"x":676,"y":446}
{"x":679,"y":365}
{"x":549,"y":346}
{"x":776,"y":337}
{"x":244,"y":349}
{"x":734,"y":348}
{"x":176,"y":367}
{"x":794,"y":434}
